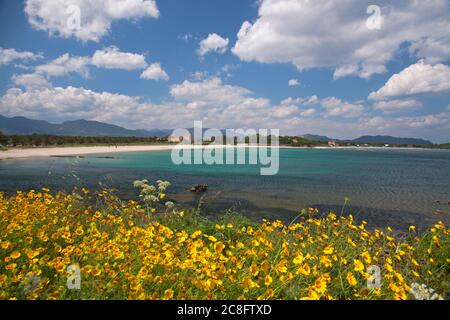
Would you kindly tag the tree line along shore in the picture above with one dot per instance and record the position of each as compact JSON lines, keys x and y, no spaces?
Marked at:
{"x":46,"y":140}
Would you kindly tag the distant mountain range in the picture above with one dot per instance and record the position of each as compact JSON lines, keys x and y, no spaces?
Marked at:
{"x":314,"y":137}
{"x":374,"y":140}
{"x":392,"y":140}
{"x":22,"y":125}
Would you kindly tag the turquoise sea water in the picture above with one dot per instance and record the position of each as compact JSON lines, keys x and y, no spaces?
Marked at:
{"x":385,"y":186}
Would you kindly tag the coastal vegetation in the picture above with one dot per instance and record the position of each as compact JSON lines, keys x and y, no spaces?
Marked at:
{"x":153,"y":249}
{"x":44,"y":140}
{"x":3,"y":140}
{"x":441,"y":146}
{"x":300,"y":142}
{"x":47,"y":140}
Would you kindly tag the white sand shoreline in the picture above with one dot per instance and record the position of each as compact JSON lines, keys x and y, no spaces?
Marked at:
{"x":74,"y":151}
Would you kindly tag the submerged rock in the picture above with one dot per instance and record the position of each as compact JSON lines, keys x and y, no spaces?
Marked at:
{"x":199,"y":188}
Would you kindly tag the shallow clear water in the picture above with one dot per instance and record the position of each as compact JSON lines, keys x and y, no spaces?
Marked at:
{"x":392,"y":186}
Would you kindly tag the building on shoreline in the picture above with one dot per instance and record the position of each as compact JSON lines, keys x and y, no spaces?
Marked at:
{"x":333,"y":143}
{"x":178,"y":139}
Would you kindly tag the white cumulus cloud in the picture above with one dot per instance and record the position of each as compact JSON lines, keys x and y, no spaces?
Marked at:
{"x":308,"y":112}
{"x":209,"y":91}
{"x":108,"y":58}
{"x":334,"y":34}
{"x":57,"y":103}
{"x":64,"y":65}
{"x":218,"y":105}
{"x":213,"y":43}
{"x":433,"y":122}
{"x":31,"y":81}
{"x":336,"y":107}
{"x":393,"y":106}
{"x":113,"y":58}
{"x":154,"y":72}
{"x":85,"y":19}
{"x":417,"y":78}
{"x":293,"y":83}
{"x":9,"y":55}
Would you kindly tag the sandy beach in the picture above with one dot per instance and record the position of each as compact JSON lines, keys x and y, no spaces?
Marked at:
{"x":68,"y":151}
{"x":72,"y":151}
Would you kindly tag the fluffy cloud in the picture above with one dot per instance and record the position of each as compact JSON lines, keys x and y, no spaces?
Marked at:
{"x":63,"y":103}
{"x":327,"y":107}
{"x":417,"y":78}
{"x":9,"y":55}
{"x":109,"y":58}
{"x":284,"y":111}
{"x":293,"y":83}
{"x":227,"y":105}
{"x":288,"y":31}
{"x":64,"y":65}
{"x":199,"y":75}
{"x":308,"y":112}
{"x":338,"y":108}
{"x":31,"y":81}
{"x":324,"y":108}
{"x":218,"y":105}
{"x":393,"y":106}
{"x":113,"y":58}
{"x":154,"y":72}
{"x":288,"y":107}
{"x":432,"y":122}
{"x":298,"y":107}
{"x":61,"y":17}
{"x":209,"y":92}
{"x":312,"y":100}
{"x":213,"y":43}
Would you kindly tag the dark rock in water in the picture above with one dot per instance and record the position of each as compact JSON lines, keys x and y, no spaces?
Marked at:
{"x":439,"y":202}
{"x":199,"y":188}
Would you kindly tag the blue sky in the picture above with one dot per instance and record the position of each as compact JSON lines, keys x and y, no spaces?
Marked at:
{"x":348,"y":79}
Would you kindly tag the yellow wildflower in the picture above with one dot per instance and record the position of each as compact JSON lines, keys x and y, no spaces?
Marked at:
{"x":5,"y":244}
{"x":212,"y":238}
{"x":218,"y":247}
{"x":254,"y":270}
{"x":304,"y":270}
{"x":268,"y":280}
{"x":351,"y":279}
{"x":11,"y":266}
{"x":367,"y":258}
{"x":325,"y":261}
{"x":15,"y":254}
{"x":359,"y":266}
{"x":328,"y":250}
{"x":96,"y":271}
{"x":298,"y":259}
{"x":168,"y":294}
